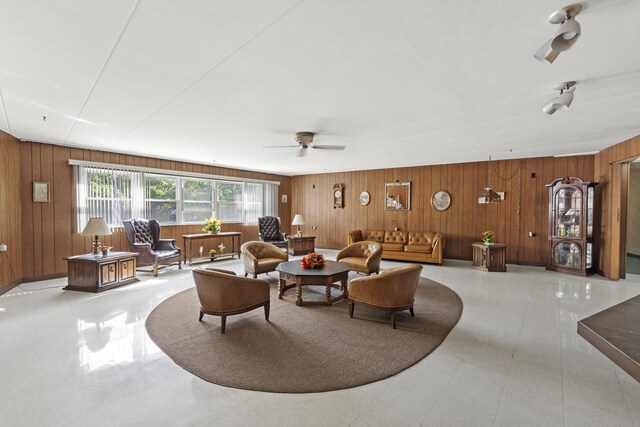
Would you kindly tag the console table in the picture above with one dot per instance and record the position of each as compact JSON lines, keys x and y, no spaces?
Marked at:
{"x":301,"y":245}
{"x":187,"y":243}
{"x":491,"y":257}
{"x":97,"y":273}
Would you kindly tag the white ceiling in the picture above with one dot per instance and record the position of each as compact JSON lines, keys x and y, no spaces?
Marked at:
{"x":402,"y":83}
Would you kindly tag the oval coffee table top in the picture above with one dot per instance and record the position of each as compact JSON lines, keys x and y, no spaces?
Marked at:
{"x":294,"y":268}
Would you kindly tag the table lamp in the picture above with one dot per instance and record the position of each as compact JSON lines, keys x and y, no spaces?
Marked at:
{"x":96,"y":227}
{"x":298,"y":220}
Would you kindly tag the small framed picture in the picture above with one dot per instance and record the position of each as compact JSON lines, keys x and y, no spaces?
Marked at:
{"x":40,"y":191}
{"x":283,"y":198}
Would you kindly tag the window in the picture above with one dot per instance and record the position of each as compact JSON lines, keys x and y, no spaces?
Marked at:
{"x":253,"y":202}
{"x":229,"y":201}
{"x":161,"y":198}
{"x":197,"y":200}
{"x":117,"y":194}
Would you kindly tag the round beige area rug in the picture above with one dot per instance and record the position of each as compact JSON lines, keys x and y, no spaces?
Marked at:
{"x":302,"y":349}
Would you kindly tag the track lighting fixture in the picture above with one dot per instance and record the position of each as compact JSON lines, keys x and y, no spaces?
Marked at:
{"x":566,"y":36}
{"x":563,"y":101}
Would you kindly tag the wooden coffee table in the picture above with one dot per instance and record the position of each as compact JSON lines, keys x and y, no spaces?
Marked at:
{"x":293,"y":275}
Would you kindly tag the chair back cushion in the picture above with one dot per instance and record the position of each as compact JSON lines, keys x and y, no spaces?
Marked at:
{"x":222,"y":291}
{"x":269,"y":227}
{"x":393,"y":287}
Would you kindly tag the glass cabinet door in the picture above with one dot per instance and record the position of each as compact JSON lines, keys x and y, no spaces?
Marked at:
{"x":568,"y":203}
{"x":567,"y":254}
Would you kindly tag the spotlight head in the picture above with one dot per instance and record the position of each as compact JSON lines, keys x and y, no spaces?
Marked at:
{"x":563,"y":101}
{"x":566,"y":36}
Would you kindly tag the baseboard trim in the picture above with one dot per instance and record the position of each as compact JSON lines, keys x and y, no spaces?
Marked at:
{"x":45,"y":277}
{"x":629,"y":254}
{"x":9,"y":286}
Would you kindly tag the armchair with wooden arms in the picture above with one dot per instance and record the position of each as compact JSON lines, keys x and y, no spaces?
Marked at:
{"x":144,"y":238}
{"x":269,"y":230}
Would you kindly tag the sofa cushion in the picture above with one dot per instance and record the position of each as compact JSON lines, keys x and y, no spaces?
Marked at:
{"x":420,"y":237}
{"x":392,"y":246}
{"x":423,"y":248}
{"x":373,"y":235}
{"x":395,"y":237}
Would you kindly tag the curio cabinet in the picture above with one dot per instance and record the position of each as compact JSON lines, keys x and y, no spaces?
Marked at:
{"x":571,"y":226}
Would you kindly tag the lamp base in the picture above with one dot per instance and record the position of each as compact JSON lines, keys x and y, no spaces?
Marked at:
{"x":96,"y":247}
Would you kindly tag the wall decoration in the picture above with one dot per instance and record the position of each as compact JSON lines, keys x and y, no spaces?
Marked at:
{"x":397,"y":196}
{"x":364,"y":198}
{"x":338,"y":196}
{"x":490,"y":196}
{"x":441,"y":200}
{"x":283,"y":198}
{"x":40,"y":191}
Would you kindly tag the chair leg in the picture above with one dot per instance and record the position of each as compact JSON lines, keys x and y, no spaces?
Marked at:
{"x":255,"y":275}
{"x":351,"y":304}
{"x":179,"y":264}
{"x":266,"y":310}
{"x":246,"y":274}
{"x":393,"y":319}
{"x":201,"y":316}
{"x":223,"y":323}
{"x":411,"y":311}
{"x":155,"y":269}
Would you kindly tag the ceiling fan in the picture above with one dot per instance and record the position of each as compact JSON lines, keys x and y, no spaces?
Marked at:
{"x":304,"y":140}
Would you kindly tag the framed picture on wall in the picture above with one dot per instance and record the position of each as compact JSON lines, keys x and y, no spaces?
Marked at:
{"x":40,"y":191}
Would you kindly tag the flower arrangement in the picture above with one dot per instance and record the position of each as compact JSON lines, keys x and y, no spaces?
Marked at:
{"x":313,"y":260}
{"x":488,"y":236}
{"x":212,"y":225}
{"x":105,"y":249}
{"x":212,"y":254}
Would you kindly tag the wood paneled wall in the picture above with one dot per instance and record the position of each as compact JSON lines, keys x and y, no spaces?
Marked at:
{"x":10,"y":271}
{"x":525,"y":207}
{"x":607,"y":172}
{"x":48,"y":231}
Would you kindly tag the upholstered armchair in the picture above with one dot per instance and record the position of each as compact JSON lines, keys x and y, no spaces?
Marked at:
{"x":261,"y":257}
{"x":222,"y":293}
{"x":144,"y":238}
{"x":362,"y":256}
{"x":269,"y":231}
{"x":392,"y":290}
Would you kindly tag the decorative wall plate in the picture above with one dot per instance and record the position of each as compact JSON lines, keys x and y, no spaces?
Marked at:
{"x":364,"y":198}
{"x":441,"y":200}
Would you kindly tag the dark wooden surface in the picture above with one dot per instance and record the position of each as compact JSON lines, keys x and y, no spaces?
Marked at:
{"x":616,"y":333}
{"x":301,"y":245}
{"x":293,"y":275}
{"x":234,"y":236}
{"x":10,"y":213}
{"x":90,"y":273}
{"x":489,"y":257}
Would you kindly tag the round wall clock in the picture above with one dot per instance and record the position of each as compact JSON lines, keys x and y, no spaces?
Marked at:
{"x":365,"y":198}
{"x":441,"y":200}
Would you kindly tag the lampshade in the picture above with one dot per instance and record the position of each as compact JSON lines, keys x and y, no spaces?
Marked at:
{"x":298,"y":220}
{"x":96,"y":227}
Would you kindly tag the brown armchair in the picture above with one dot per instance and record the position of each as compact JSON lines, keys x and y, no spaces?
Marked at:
{"x":261,"y":257}
{"x":222,"y":293}
{"x":392,"y":290}
{"x":144,"y":238}
{"x":362,"y":256}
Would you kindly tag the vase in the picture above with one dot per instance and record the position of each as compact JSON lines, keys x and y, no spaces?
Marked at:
{"x":105,"y":252}
{"x":209,"y":232}
{"x":487,"y":241}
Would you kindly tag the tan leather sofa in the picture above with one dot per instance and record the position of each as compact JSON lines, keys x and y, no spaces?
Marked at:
{"x":393,"y":290}
{"x":362,"y":256}
{"x":417,"y":246}
{"x":222,"y":293}
{"x":261,"y":257}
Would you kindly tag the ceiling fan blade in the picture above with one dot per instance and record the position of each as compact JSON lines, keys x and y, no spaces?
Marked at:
{"x":328,"y":147}
{"x":281,"y":146}
{"x":302,"y":152}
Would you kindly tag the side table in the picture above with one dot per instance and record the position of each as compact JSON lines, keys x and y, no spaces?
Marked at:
{"x":491,"y":257}
{"x":301,"y":245}
{"x":99,"y":273}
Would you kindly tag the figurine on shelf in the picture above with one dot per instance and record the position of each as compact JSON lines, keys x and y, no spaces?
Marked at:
{"x":221,"y":247}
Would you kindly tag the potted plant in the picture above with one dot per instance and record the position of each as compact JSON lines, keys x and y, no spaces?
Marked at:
{"x":487,"y":237}
{"x":212,"y":225}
